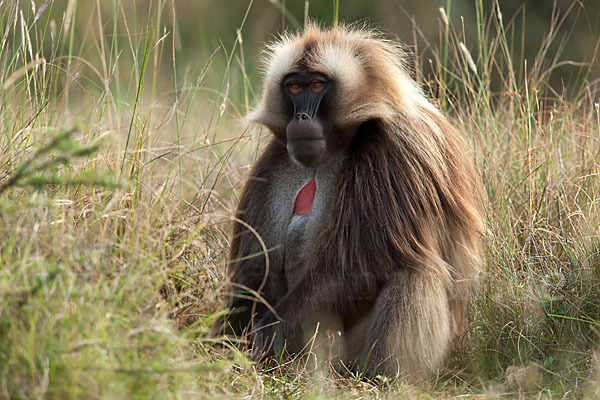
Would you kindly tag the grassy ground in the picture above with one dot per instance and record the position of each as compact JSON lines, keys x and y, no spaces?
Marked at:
{"x":118,"y":178}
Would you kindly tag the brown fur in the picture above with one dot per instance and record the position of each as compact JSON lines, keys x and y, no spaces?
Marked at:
{"x":405,"y":227}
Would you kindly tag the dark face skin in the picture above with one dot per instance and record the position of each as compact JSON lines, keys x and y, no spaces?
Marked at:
{"x":308,"y":130}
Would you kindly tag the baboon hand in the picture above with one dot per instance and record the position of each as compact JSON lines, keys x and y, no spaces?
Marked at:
{"x":262,"y":337}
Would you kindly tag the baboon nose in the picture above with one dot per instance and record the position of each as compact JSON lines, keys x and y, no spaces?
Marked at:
{"x":302,"y":116}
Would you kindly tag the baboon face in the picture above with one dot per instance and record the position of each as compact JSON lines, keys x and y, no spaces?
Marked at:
{"x":308,"y":131}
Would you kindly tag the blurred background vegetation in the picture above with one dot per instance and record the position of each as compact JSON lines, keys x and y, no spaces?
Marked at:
{"x":196,"y":28}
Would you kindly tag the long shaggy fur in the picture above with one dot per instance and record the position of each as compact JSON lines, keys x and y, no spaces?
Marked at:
{"x":407,"y":207}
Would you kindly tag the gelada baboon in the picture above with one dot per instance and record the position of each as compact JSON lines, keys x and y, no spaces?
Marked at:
{"x":368,"y":207}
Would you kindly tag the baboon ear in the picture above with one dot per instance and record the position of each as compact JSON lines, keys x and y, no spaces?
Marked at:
{"x":271,"y":118}
{"x":256,"y":116}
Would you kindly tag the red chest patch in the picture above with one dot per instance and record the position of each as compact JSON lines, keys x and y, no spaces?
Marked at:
{"x":305,"y":198}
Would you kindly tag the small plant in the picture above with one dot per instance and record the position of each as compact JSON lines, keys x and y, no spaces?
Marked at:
{"x":46,"y":166}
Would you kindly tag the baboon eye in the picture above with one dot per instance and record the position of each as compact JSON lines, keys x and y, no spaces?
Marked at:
{"x":316,"y":86}
{"x":295,"y":88}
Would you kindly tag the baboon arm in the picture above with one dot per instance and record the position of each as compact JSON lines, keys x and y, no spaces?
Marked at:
{"x":255,"y":278}
{"x":251,"y":282}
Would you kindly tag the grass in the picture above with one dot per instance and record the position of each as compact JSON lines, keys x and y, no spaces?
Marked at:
{"x":120,"y":171}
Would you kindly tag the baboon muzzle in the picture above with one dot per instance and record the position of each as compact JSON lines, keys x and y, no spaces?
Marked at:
{"x":306,"y":140}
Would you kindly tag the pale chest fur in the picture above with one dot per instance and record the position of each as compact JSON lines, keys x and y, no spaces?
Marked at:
{"x":299,"y":234}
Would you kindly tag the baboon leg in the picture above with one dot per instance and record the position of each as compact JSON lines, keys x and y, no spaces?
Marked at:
{"x":410,"y":330}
